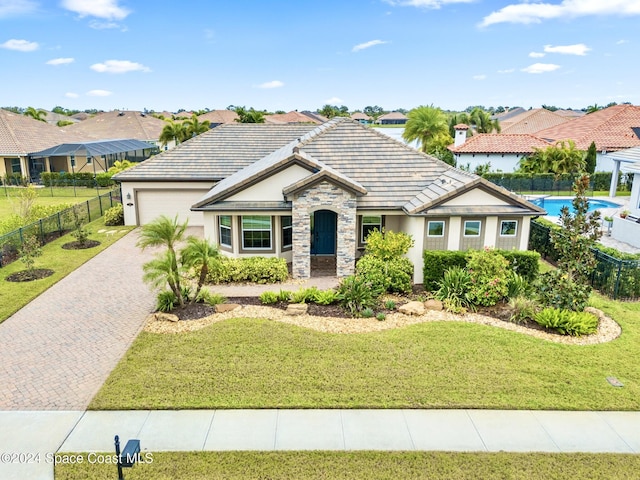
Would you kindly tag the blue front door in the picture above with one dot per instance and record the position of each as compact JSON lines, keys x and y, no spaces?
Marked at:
{"x":323,"y":233}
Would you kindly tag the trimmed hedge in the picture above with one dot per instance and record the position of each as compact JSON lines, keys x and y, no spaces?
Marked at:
{"x":249,"y":269}
{"x":436,"y":262}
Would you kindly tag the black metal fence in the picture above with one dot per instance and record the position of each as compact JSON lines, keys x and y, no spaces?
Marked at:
{"x":56,"y":225}
{"x":614,"y":277}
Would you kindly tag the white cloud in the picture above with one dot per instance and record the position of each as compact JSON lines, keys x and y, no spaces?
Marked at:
{"x":20,"y":45}
{"x":107,"y":9}
{"x":541,"y":68}
{"x":119,"y":66}
{"x":480,"y":77}
{"x":527,"y":13}
{"x":60,"y":61}
{"x":622,"y":42}
{"x":10,"y":8}
{"x":372,"y":43}
{"x":272,"y":84}
{"x":578,"y":49}
{"x":96,"y":25}
{"x":71,"y":95}
{"x":99,"y":93}
{"x":425,"y":3}
{"x":536,"y":54}
{"x":334,"y":101}
{"x":507,"y":70}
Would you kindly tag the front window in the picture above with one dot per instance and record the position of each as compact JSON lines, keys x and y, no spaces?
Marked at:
{"x":225,"y":230}
{"x":369,"y":224}
{"x":287,"y":232}
{"x":472,"y":228}
{"x":508,"y":228}
{"x":15,"y":165}
{"x":435,"y":229}
{"x":256,"y":232}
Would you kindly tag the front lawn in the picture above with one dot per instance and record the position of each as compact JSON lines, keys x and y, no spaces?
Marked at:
{"x":248,"y":363}
{"x":369,"y":465}
{"x":46,"y":196}
{"x":16,"y":295}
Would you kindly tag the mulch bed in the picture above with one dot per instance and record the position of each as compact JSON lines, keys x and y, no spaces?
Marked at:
{"x":80,"y":246}
{"x":29,"y":276}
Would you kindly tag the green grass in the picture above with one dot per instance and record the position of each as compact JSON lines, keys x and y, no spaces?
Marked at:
{"x":369,"y":465}
{"x":46,"y":196}
{"x":15,"y":295}
{"x":249,"y":363}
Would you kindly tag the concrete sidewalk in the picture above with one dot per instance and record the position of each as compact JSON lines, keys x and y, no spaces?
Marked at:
{"x":338,"y":430}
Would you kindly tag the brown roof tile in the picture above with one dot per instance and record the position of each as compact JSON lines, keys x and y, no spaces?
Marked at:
{"x":117,"y":124}
{"x":290,"y":117}
{"x":219,"y":116}
{"x":532,"y":121}
{"x":500,"y":143}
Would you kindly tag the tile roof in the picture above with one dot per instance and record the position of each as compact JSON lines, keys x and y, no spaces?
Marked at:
{"x":519,"y":143}
{"x":507,"y":114}
{"x":216,"y":154}
{"x":21,"y":135}
{"x":532,"y":121}
{"x":611,"y":129}
{"x":360,"y":116}
{"x":393,"y":175}
{"x":392,"y":116}
{"x":291,"y":117}
{"x":116,"y":124}
{"x":219,"y":116}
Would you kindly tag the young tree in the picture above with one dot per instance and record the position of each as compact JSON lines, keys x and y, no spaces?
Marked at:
{"x":424,"y":124}
{"x":173,"y":132}
{"x":249,"y":116}
{"x":590,"y":159}
{"x":29,"y":251}
{"x":36,"y":114}
{"x":199,"y":255}
{"x":194,"y":127}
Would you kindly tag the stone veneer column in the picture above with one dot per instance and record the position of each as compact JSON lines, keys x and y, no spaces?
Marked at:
{"x":324,"y":196}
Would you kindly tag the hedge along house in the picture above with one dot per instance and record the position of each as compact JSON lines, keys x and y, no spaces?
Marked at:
{"x":321,"y":192}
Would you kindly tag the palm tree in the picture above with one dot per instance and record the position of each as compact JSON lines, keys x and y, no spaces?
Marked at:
{"x":249,"y":116}
{"x":200,"y":255}
{"x":482,"y":123}
{"x":167,"y":232}
{"x":560,"y":159}
{"x":194,"y":127}
{"x":425,"y":123}
{"x":164,"y":270}
{"x":36,"y":114}
{"x":173,"y":132}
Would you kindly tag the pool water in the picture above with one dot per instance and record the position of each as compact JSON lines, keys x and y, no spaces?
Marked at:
{"x":553,"y":205}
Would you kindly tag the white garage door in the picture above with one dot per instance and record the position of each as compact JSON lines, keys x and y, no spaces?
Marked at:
{"x":153,"y":203}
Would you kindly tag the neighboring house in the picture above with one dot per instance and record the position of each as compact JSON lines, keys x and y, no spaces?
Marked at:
{"x":218,"y":117}
{"x":612,"y":129}
{"x":627,"y":229}
{"x":21,"y":135}
{"x":507,"y":114}
{"x":292,"y":117}
{"x":502,"y":150}
{"x":119,"y":124}
{"x":393,"y":118}
{"x":301,"y":191}
{"x":362,"y":118}
{"x":532,"y":121}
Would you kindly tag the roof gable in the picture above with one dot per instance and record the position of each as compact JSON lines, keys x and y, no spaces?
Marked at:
{"x":533,"y":121}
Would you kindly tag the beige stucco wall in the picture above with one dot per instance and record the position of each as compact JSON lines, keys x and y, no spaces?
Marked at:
{"x":270,"y":189}
{"x":476,"y":197}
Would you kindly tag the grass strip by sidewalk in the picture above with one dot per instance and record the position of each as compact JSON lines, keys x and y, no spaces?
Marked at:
{"x":15,"y":295}
{"x":369,"y":465}
{"x":250,"y":363}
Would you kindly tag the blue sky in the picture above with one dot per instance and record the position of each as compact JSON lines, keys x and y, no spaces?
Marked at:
{"x":286,"y":55}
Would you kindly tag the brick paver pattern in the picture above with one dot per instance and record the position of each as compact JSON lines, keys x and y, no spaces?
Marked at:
{"x":56,"y":352}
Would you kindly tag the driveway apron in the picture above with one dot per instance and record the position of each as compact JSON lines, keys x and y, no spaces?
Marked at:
{"x":56,"y":352}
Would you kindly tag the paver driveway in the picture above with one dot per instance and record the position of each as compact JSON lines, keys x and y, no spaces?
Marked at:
{"x":56,"y":352}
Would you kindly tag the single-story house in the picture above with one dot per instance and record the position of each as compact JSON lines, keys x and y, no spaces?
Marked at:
{"x":301,"y":191}
{"x":392,"y":118}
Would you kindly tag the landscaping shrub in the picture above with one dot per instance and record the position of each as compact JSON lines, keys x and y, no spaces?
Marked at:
{"x":453,"y":290}
{"x":325,"y":297}
{"x":104,"y":179}
{"x":489,"y":273}
{"x":356,"y":294}
{"x":390,"y":305}
{"x":114,"y":215}
{"x":391,"y":275}
{"x":517,"y":286}
{"x":166,"y":301}
{"x":268,"y":298}
{"x":284,"y":295}
{"x":367,"y":313}
{"x":525,"y":263}
{"x":556,"y":289}
{"x":567,"y":322}
{"x":388,"y":245}
{"x":523,"y":309}
{"x":381,"y":317}
{"x":436,"y":262}
{"x":210,"y":298}
{"x":249,"y":269}
{"x":304,"y":295}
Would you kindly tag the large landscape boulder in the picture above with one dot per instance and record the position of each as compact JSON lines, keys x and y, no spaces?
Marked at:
{"x":226,"y":307}
{"x":412,"y":308}
{"x":433,"y":304}
{"x":296,"y":309}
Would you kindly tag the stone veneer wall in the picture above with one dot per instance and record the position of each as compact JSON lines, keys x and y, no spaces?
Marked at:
{"x":324,"y":196}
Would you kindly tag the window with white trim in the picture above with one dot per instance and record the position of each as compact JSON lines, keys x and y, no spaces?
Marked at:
{"x":15,"y":165}
{"x":287,"y":231}
{"x":256,"y":232}
{"x":508,"y":228}
{"x":435,"y":228}
{"x":369,"y":224}
{"x":472,"y":228}
{"x":225,"y":230}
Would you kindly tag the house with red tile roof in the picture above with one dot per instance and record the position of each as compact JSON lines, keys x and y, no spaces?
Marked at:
{"x":532,"y":121}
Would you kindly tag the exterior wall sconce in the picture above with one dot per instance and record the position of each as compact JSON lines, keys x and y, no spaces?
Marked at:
{"x":128,"y":196}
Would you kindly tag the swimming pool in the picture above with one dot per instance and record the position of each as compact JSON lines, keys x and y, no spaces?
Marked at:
{"x":553,"y":205}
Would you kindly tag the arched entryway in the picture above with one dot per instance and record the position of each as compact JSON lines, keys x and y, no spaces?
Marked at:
{"x":324,"y":226}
